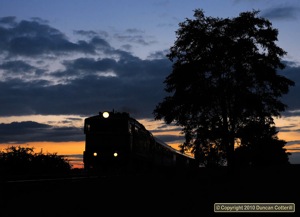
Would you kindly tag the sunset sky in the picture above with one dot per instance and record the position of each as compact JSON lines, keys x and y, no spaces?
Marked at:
{"x":64,"y":60}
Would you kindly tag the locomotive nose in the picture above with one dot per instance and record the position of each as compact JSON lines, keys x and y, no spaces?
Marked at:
{"x":115,"y":154}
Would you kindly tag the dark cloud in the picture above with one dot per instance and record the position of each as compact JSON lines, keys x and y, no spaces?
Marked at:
{"x":288,"y":128}
{"x":295,"y":158}
{"x":92,"y":34}
{"x":32,"y":38}
{"x":134,"y":31}
{"x":282,"y":13}
{"x":170,"y":138}
{"x":135,"y":36}
{"x":294,"y":142}
{"x":158,"y":54}
{"x":138,"y":86}
{"x":22,"y":132}
{"x":101,"y":77}
{"x":291,"y":99}
{"x":291,"y":113}
{"x":89,"y":65}
{"x":100,"y":43}
{"x":10,"y":21}
{"x":138,"y":39}
{"x":89,"y":34}
{"x":167,"y":128}
{"x":127,"y":47}
{"x":16,"y":67}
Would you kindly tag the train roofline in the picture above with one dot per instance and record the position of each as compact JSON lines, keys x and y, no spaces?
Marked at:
{"x":171,"y":148}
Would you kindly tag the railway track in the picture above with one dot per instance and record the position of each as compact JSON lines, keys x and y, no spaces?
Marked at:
{"x":157,"y":194}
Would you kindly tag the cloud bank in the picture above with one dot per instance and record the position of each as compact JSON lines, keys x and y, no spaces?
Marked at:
{"x":43,"y":71}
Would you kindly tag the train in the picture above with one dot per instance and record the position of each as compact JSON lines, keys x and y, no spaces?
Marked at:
{"x":115,"y":140}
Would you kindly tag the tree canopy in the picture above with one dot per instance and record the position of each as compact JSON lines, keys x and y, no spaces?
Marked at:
{"x":224,"y":77}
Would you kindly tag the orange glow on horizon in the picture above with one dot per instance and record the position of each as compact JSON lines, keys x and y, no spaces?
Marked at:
{"x":159,"y":129}
{"x":289,"y":136}
{"x":60,"y":148}
{"x":293,"y":148}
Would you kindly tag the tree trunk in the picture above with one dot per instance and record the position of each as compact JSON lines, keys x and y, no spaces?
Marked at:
{"x":230,"y":155}
{"x":228,"y":142}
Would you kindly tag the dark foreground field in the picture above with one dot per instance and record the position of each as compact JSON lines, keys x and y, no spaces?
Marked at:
{"x":151,"y":194}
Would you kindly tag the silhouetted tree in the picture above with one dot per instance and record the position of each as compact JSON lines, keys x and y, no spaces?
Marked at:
{"x":260,"y":146}
{"x":22,"y":161}
{"x":224,"y":77}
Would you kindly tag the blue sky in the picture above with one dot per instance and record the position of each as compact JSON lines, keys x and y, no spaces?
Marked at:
{"x":64,"y":60}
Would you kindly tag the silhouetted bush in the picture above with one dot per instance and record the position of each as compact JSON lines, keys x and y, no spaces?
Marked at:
{"x":23,"y":162}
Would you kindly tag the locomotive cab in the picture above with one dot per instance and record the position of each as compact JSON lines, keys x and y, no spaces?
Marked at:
{"x":108,"y":141}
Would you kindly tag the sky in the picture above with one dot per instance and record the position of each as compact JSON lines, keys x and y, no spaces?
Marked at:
{"x":64,"y":60}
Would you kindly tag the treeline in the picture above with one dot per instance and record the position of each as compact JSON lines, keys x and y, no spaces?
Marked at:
{"x":18,"y":161}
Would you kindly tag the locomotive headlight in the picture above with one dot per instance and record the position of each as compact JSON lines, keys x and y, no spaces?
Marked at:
{"x":105,"y":114}
{"x":115,"y":154}
{"x":95,"y":154}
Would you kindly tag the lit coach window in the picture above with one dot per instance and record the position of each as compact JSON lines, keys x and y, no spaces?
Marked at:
{"x":105,"y":114}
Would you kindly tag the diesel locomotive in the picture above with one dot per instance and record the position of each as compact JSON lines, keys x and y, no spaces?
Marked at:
{"x":116,"y":140}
